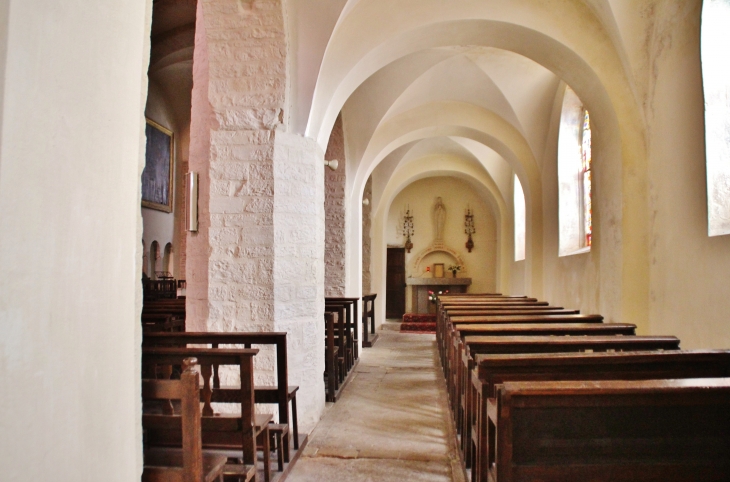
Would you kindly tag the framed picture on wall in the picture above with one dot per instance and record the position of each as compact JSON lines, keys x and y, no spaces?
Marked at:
{"x":438,"y":270}
{"x":157,"y":174}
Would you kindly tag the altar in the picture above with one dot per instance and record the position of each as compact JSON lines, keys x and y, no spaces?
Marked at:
{"x":417,"y":291}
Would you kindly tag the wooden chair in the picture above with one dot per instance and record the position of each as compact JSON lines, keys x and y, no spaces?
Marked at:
{"x":189,"y":464}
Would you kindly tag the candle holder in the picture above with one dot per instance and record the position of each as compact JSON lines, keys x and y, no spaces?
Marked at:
{"x":469,"y":228}
{"x":408,"y":229}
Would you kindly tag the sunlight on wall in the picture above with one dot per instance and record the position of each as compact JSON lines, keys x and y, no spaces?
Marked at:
{"x":716,"y":79}
{"x":573,"y":191}
{"x":520,"y":221}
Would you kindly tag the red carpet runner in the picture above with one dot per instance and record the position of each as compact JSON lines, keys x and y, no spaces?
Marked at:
{"x":418,"y":323}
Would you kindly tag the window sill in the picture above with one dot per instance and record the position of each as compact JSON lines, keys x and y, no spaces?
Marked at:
{"x":587,"y":249}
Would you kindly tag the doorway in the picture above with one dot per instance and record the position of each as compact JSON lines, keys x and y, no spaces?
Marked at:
{"x":395,"y":283}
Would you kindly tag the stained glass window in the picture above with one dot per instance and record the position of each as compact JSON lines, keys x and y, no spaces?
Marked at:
{"x":586,"y":175}
{"x":574,"y":177}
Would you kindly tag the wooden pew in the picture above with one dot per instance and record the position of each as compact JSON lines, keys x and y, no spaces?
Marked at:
{"x":162,"y":323}
{"x":544,"y":344}
{"x":444,"y":337}
{"x":492,"y":370}
{"x":352,"y":321}
{"x":331,"y":356}
{"x":458,"y":383}
{"x":159,"y":289}
{"x":659,"y":430}
{"x":281,"y":393}
{"x":237,"y":431}
{"x":448,"y":335}
{"x":342,"y":340}
{"x":368,"y":314}
{"x":444,"y":308}
{"x":190,"y":463}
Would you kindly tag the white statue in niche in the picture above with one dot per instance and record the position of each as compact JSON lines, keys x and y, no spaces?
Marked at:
{"x":439,"y":216}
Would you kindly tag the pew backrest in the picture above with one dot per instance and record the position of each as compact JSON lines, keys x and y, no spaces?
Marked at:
{"x":670,"y":430}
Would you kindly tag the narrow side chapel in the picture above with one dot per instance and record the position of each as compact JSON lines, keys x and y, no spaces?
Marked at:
{"x":450,"y":243}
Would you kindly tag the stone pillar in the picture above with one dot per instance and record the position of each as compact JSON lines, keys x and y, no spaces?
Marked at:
{"x":261,"y":240}
{"x":334,"y":202}
{"x":197,"y":246}
{"x":299,"y":266}
{"x":366,"y":239}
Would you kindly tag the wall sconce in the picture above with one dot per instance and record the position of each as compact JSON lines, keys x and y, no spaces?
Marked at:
{"x":408,"y":229}
{"x":191,"y":219}
{"x":469,"y":227}
{"x":332,"y":164}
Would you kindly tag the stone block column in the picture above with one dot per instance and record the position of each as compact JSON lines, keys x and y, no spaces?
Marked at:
{"x":334,"y":202}
{"x":263,"y":250}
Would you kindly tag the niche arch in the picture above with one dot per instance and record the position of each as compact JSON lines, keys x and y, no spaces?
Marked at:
{"x":416,"y":261}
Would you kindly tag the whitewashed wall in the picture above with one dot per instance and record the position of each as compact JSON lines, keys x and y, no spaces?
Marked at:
{"x":70,"y":249}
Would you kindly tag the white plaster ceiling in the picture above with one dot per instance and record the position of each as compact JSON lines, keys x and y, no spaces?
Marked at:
{"x":472,"y":82}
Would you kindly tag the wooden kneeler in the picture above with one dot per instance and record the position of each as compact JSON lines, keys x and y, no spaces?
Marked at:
{"x":189,"y":464}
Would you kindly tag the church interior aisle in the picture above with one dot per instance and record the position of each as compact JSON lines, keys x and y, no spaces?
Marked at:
{"x":392,"y":422}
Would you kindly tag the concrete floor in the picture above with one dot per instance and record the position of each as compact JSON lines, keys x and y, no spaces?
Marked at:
{"x":391,"y":422}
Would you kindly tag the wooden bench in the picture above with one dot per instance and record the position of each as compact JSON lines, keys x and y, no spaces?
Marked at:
{"x":474,"y":345}
{"x":492,"y":370}
{"x":444,"y":308}
{"x":331,"y":359}
{"x":458,"y":384}
{"x":236,"y":432}
{"x":369,"y":337}
{"x":190,"y":463}
{"x":659,"y":430}
{"x":343,"y":339}
{"x":444,"y":336}
{"x":281,"y":393}
{"x":352,"y":320}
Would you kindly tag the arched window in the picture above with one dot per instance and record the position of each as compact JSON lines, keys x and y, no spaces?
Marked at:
{"x":144,"y":259}
{"x":167,"y":260}
{"x":154,"y":257}
{"x":520,"y":220}
{"x":716,"y":81}
{"x":574,"y":176}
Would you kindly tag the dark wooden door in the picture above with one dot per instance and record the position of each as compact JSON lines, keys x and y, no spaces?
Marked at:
{"x":395,"y":283}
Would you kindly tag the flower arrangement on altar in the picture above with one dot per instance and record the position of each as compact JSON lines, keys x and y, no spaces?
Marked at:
{"x":432,"y":296}
{"x":454,"y":268}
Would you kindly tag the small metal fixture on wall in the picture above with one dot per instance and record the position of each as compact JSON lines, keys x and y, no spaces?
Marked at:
{"x":408,"y":229}
{"x":469,"y":227}
{"x":191,"y":218}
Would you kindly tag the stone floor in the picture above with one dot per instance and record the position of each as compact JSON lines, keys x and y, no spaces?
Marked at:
{"x":391,"y":422}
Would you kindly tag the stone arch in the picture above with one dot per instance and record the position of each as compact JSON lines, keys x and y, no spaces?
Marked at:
{"x":467,"y":171}
{"x":435,"y":248}
{"x":471,"y":122}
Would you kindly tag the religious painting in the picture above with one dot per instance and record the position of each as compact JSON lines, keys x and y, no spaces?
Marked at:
{"x":157,"y":174}
{"x":438,"y":270}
